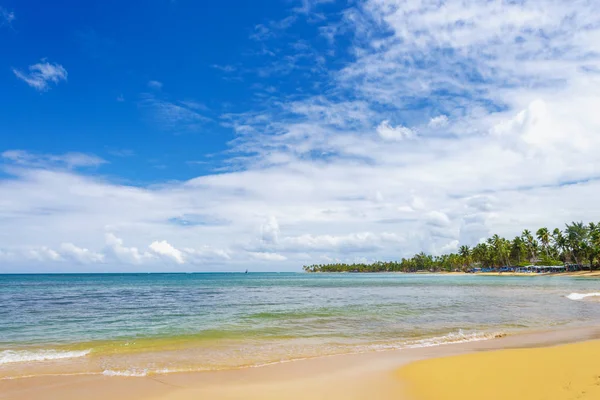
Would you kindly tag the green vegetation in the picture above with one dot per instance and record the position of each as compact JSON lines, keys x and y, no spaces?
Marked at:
{"x":576,"y":244}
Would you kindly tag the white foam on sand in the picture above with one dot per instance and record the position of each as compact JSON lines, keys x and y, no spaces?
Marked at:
{"x":141,"y":372}
{"x":17,"y":356}
{"x":132,"y":373}
{"x":451,"y":338}
{"x":454,"y":337}
{"x":581,"y":296}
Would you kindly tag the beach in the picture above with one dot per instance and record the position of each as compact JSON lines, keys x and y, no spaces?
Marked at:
{"x":538,"y":361}
{"x":269,"y":336}
{"x":555,"y":373}
{"x":576,"y":274}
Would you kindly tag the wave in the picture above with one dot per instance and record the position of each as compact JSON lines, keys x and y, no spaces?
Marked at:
{"x":581,"y":296}
{"x":16,"y":356}
{"x":140,"y":370}
{"x":130,"y":373}
{"x":450,"y":338}
{"x":454,"y":337}
{"x":139,"y":373}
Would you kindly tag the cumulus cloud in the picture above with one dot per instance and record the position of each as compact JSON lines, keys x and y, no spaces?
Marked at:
{"x":128,"y":255}
{"x":80,"y":254}
{"x":438,"y":122}
{"x":163,"y":248}
{"x":40,"y":76}
{"x":270,"y":230}
{"x":42,"y":254}
{"x":389,"y":132}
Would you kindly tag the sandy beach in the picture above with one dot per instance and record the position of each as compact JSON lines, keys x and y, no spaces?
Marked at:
{"x":528,"y":360}
{"x":552,"y":373}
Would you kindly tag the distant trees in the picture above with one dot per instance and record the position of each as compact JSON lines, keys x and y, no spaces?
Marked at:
{"x":578,"y":243}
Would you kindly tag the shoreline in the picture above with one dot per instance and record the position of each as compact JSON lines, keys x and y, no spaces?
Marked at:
{"x":353,"y":376}
{"x":573,"y":274}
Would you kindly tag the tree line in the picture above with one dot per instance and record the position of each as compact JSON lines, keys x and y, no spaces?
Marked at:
{"x":578,"y":243}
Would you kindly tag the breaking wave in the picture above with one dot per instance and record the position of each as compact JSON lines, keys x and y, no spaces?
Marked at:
{"x":581,"y":296}
{"x":17,"y":356}
{"x":450,"y":338}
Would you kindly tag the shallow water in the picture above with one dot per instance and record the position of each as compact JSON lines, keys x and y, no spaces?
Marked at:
{"x":136,"y":324}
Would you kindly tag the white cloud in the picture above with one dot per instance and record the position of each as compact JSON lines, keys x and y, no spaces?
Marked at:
{"x":268,"y":256}
{"x":270,"y":230}
{"x":207,"y":254}
{"x":42,"y":254}
{"x":389,"y":132}
{"x":163,"y":248}
{"x":507,"y":127}
{"x":79,"y":254}
{"x":308,"y":6}
{"x":438,"y":218}
{"x":6,"y":17}
{"x":128,"y":255}
{"x":68,"y":160}
{"x":355,"y":242}
{"x":42,"y":74}
{"x":261,"y":32}
{"x":173,"y":115}
{"x":438,"y":122}
{"x":156,"y":85}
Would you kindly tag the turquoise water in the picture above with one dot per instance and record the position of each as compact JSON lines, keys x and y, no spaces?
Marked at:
{"x":153,"y":323}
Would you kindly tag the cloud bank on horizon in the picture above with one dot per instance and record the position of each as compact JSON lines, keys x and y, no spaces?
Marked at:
{"x":421,"y":126}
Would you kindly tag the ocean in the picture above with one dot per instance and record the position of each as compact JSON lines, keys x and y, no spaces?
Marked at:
{"x":143,"y":324}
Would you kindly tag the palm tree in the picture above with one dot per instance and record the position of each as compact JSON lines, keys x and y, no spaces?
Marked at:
{"x":465,"y":252}
{"x":577,"y":235}
{"x":517,"y":249}
{"x":529,"y":242}
{"x":579,"y":242}
{"x":595,"y":241}
{"x":481,"y":254}
{"x":543,"y":236}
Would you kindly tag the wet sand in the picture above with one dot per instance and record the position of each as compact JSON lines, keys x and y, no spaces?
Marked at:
{"x":356,"y":376}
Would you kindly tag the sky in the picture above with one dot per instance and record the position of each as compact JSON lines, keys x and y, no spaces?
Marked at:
{"x":178,"y":135}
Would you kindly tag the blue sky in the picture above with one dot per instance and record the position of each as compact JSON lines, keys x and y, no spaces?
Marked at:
{"x":207,"y":55}
{"x":182,"y":135}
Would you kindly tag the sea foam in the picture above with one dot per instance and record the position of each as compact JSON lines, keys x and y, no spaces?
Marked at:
{"x":132,"y":373}
{"x":16,"y":356}
{"x":581,"y":296}
{"x":453,"y":338}
{"x":141,"y":372}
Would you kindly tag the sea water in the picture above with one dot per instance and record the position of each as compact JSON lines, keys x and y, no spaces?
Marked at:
{"x":141,"y":324}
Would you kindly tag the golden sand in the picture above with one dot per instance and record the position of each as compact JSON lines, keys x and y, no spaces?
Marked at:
{"x":555,"y":373}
